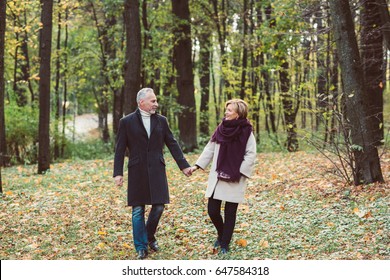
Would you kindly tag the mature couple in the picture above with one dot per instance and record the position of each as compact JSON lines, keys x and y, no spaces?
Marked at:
{"x":231,"y":149}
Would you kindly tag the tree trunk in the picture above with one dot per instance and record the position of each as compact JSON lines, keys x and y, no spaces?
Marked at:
{"x":185,"y":78}
{"x":334,"y":85}
{"x":372,"y":59}
{"x":290,"y":113}
{"x":322,"y":76}
{"x":65,"y":79}
{"x":57,"y":88}
{"x":3,"y":144}
{"x":385,"y":20}
{"x":44,"y":85}
{"x":204,"y":73}
{"x":220,"y":22}
{"x":244,"y":50}
{"x":133,"y":55}
{"x":366,"y":159}
{"x":269,"y":101}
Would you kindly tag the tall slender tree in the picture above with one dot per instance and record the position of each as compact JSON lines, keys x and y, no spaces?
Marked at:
{"x":204,"y":73}
{"x":367,"y":167}
{"x":3,"y":147}
{"x":244,"y":49}
{"x":385,"y":20}
{"x":185,"y":77}
{"x":57,"y":138}
{"x":372,"y":59}
{"x":65,"y":79}
{"x":45,"y":37}
{"x":21,"y":73}
{"x":133,"y":55}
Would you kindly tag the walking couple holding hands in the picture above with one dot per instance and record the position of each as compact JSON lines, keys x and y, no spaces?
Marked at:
{"x":231,"y":152}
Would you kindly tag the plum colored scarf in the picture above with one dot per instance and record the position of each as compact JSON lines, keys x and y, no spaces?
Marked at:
{"x":233,"y":136}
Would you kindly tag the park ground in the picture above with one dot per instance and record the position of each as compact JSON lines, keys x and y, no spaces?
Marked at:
{"x":296,"y":207}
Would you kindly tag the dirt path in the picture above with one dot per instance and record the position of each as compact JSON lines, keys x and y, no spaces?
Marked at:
{"x":84,"y":126}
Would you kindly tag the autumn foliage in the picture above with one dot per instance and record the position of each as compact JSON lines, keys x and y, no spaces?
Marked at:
{"x":295,"y":208}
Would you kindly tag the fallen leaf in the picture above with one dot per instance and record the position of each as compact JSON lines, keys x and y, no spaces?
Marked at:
{"x":242,"y":242}
{"x":264,"y":243}
{"x":367,"y":215}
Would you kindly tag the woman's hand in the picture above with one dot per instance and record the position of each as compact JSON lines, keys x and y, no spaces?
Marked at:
{"x":194,"y":168}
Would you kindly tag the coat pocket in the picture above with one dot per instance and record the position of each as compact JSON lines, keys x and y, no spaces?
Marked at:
{"x":133,"y":161}
{"x":162,"y":160}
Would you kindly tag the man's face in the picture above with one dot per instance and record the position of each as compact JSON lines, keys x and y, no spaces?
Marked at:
{"x":149,"y":103}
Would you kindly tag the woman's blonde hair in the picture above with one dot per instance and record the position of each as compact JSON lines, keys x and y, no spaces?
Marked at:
{"x":240,"y":106}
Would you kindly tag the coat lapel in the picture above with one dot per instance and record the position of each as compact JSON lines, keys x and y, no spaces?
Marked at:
{"x":153,"y":123}
{"x":139,"y":117}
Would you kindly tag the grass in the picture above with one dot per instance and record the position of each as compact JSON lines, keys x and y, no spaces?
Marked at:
{"x":295,"y":208}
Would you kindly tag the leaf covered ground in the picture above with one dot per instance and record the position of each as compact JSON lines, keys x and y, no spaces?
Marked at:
{"x":295,"y":208}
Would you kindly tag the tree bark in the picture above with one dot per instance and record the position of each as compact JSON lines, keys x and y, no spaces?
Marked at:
{"x":45,"y":38}
{"x":322,"y":72}
{"x":133,"y":55}
{"x":366,"y":159}
{"x":185,"y":78}
{"x":57,"y":141}
{"x":65,"y":79}
{"x":289,"y":112}
{"x":385,"y":20}
{"x":244,"y":50}
{"x":204,"y":73}
{"x":372,"y":59}
{"x":3,"y":143}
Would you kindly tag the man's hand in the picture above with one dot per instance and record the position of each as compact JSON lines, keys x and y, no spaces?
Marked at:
{"x":187,"y":171}
{"x":118,"y":180}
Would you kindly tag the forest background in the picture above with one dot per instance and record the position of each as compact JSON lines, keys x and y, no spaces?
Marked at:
{"x":312,"y":90}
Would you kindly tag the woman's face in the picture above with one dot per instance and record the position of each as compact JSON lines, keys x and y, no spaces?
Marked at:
{"x":230,"y":113}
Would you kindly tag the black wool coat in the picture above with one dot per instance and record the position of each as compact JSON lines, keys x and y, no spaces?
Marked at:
{"x":147,"y":180}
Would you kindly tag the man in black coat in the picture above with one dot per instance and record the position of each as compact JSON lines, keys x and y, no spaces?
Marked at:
{"x":144,"y":133}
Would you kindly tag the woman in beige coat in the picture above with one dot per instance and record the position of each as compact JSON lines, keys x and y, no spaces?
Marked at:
{"x":232,"y":150}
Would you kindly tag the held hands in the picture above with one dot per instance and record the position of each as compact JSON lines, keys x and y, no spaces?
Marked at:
{"x":189,"y":170}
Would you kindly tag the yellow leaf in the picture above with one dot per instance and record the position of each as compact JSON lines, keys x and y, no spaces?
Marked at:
{"x":264,"y":243}
{"x":356,"y":210}
{"x":9,"y":193}
{"x":126,"y":246}
{"x":101,"y":245}
{"x":101,"y":232}
{"x":242,"y":242}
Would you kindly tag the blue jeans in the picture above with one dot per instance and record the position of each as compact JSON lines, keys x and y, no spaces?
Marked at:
{"x":144,"y":233}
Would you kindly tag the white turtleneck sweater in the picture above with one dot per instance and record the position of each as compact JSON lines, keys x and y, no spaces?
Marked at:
{"x":146,"y":120}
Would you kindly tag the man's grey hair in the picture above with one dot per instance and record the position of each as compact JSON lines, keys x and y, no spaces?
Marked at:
{"x":142,"y":93}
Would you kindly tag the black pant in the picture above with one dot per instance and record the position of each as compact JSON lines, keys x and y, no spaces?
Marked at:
{"x":224,"y":229}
